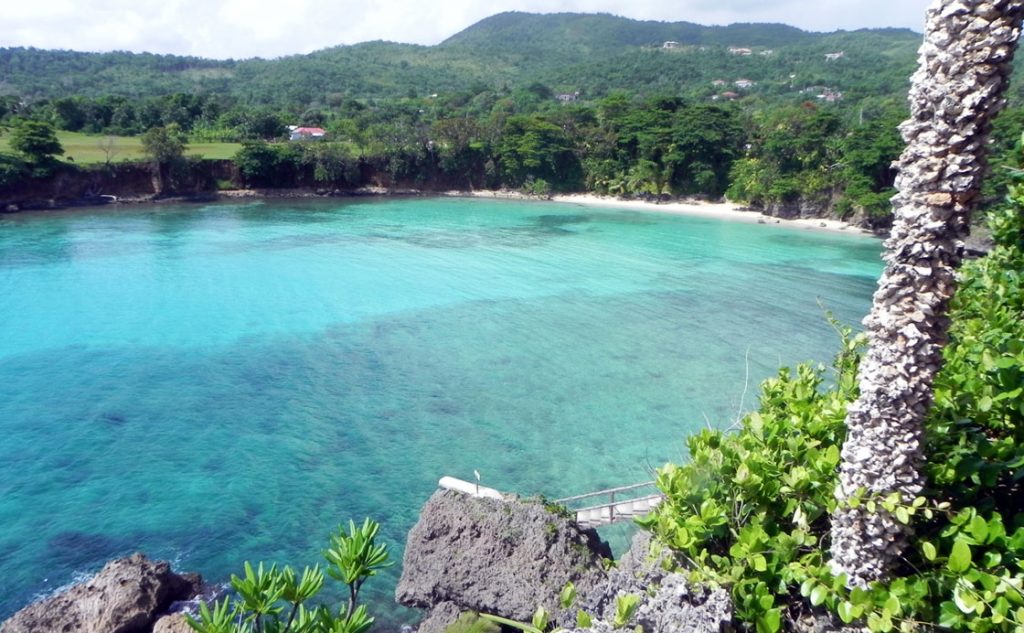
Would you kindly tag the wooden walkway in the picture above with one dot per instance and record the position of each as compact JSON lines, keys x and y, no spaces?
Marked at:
{"x":614,"y":510}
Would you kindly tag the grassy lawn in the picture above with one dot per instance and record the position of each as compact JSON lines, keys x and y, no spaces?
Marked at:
{"x":89,"y":148}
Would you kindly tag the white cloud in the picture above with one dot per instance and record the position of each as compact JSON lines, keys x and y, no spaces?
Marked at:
{"x":271,"y":28}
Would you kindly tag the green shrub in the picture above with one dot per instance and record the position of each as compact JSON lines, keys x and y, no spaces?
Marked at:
{"x":750,"y":510}
{"x":275,"y":600}
{"x":12,"y":170}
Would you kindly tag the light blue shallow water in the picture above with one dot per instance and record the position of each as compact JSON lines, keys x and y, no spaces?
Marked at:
{"x":212,"y":384}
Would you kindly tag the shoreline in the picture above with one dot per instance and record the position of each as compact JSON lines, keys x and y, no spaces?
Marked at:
{"x":727,"y":211}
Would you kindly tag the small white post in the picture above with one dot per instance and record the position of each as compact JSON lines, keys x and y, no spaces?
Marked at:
{"x":476,"y":473}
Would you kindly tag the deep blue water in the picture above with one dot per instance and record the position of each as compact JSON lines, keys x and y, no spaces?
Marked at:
{"x":213,"y":384}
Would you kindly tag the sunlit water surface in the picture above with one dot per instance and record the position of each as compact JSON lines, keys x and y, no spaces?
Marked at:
{"x":214,"y":384}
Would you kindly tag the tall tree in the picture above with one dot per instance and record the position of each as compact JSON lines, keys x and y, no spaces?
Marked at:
{"x":37,"y":141}
{"x":965,"y":62}
{"x":165,"y":147}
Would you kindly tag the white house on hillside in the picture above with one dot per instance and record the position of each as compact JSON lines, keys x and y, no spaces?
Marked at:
{"x":305,"y":133}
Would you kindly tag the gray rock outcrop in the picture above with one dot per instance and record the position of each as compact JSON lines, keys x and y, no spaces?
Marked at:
{"x":441,"y":616}
{"x":500,"y":557}
{"x":173,"y":623}
{"x":509,"y":557}
{"x":669,"y":603}
{"x":126,"y":596}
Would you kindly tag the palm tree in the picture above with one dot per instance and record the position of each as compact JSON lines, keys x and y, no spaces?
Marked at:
{"x":964,"y":65}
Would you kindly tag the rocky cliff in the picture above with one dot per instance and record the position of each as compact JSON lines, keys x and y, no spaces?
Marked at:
{"x":127,"y":596}
{"x":493,"y":556}
{"x":507,"y":557}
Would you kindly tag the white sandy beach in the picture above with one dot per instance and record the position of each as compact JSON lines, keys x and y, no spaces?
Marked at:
{"x":721,"y":210}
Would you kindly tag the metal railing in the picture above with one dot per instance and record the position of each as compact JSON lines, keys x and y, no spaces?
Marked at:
{"x":610,"y":505}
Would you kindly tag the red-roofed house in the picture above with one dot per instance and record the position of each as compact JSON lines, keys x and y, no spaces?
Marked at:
{"x":306,"y":133}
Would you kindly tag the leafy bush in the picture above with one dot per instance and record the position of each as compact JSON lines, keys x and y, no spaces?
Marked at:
{"x":262,"y":164}
{"x":274,"y":600}
{"x":750,"y":511}
{"x":12,"y":170}
{"x":751,"y":507}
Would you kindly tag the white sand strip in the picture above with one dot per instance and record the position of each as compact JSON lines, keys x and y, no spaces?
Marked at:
{"x":719,"y":210}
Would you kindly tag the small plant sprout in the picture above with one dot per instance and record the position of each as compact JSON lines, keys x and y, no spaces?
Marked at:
{"x":567,"y":597}
{"x":625,"y":607}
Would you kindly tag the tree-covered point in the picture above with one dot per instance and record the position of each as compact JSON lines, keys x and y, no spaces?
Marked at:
{"x":832,"y":157}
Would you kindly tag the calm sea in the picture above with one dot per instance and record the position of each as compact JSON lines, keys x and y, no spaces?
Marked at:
{"x":214,"y":384}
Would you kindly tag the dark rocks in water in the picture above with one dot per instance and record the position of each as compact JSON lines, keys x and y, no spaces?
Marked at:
{"x":553,"y":220}
{"x":504,"y":557}
{"x":126,"y":596}
{"x":73,"y":549}
{"x":113,"y":418}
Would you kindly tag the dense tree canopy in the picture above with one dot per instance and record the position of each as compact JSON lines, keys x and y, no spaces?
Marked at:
{"x":36,"y":141}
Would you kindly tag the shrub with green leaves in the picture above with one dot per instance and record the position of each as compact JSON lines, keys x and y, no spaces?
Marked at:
{"x":750,"y":510}
{"x":275,"y":600}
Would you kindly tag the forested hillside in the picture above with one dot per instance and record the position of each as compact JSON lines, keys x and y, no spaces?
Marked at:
{"x":590,"y":54}
{"x":786,"y":120}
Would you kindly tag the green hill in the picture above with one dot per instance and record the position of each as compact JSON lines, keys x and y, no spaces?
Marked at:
{"x":590,"y":53}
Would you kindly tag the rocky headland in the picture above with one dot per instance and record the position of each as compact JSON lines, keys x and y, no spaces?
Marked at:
{"x":508,"y":557}
{"x":129,"y":595}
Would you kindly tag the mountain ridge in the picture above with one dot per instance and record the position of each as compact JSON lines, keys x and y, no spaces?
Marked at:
{"x":507,"y":49}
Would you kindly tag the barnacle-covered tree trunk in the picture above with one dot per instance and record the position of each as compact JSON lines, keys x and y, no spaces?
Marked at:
{"x":964,"y":65}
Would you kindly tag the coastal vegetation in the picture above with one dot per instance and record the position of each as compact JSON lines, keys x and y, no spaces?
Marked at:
{"x":901,"y":502}
{"x":793,"y":122}
{"x":724,"y":521}
{"x":755,"y":509}
{"x":275,"y":600}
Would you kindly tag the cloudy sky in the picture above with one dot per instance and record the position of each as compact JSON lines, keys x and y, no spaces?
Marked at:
{"x":271,"y":28}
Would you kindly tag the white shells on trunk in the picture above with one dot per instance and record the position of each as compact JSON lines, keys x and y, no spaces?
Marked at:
{"x":965,"y":61}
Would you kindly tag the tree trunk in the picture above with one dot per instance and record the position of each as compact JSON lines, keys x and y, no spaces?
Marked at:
{"x":964,"y":65}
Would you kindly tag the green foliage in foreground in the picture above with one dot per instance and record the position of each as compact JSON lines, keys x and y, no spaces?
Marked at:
{"x":275,"y":600}
{"x":751,"y":509}
{"x":472,"y":623}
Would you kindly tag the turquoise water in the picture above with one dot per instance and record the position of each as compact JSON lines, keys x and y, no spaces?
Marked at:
{"x":211,"y":384}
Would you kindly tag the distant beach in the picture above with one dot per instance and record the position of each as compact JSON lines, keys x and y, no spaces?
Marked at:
{"x":720,"y":210}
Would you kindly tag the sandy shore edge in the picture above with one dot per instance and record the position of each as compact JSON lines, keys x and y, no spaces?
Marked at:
{"x":718,"y":210}
{"x":727,"y":211}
